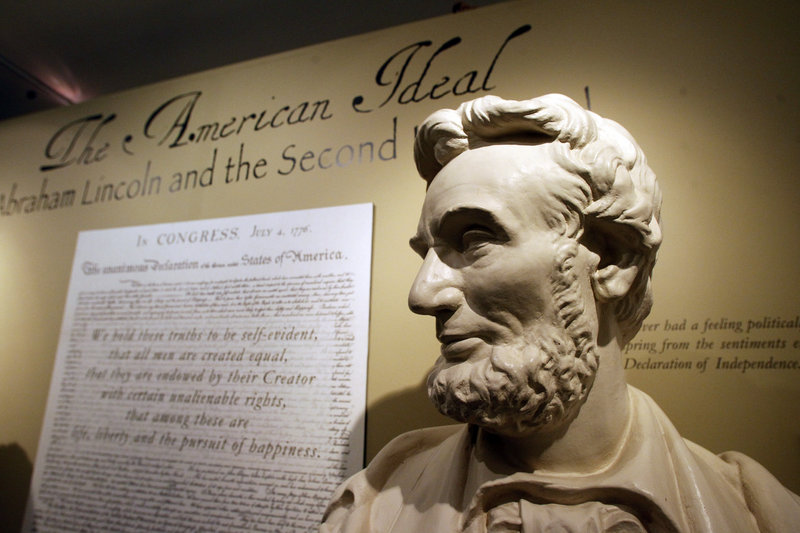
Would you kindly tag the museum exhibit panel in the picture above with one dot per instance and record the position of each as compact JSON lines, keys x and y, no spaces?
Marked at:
{"x":237,"y":238}
{"x":203,"y":363}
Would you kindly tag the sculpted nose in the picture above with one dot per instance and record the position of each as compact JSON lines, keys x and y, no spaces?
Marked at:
{"x":434,"y":289}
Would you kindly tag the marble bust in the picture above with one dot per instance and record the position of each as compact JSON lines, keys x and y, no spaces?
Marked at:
{"x":538,"y":236}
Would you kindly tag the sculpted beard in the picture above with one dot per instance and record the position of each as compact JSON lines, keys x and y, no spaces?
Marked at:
{"x":539,"y":380}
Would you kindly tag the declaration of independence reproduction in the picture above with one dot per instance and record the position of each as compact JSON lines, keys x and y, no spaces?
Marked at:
{"x":195,"y":386}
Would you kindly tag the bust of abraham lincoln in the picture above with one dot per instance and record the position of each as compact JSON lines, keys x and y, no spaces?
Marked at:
{"x":538,"y":236}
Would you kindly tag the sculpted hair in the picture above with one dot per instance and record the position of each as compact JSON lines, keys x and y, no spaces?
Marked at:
{"x":620,"y":214}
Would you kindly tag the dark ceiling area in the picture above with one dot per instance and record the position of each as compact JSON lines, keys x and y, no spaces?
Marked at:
{"x":56,"y":53}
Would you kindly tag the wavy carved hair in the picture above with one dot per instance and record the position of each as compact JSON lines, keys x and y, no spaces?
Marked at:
{"x":621,"y":207}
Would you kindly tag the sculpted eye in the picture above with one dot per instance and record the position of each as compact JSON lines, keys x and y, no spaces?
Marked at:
{"x":475,"y":236}
{"x":469,"y":230}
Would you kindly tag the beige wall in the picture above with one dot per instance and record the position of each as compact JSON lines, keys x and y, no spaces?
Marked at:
{"x":710,"y":92}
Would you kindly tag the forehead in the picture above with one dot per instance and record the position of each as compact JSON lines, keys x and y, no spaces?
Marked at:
{"x":511,"y":182}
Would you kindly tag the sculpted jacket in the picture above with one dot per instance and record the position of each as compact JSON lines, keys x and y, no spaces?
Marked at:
{"x":435,"y":480}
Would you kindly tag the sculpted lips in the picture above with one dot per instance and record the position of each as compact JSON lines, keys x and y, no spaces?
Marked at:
{"x":459,"y":347}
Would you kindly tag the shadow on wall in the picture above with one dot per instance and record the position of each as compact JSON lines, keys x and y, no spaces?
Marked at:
{"x":15,"y":481}
{"x":397,"y":413}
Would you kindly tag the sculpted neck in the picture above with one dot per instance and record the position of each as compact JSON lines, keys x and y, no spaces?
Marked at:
{"x":592,"y":439}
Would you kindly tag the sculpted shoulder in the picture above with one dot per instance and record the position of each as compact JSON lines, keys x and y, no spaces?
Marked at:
{"x":397,"y":454}
{"x":402,"y":461}
{"x":774,"y":507}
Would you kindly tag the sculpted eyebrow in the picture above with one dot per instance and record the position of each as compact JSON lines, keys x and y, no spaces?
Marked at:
{"x":455,"y":220}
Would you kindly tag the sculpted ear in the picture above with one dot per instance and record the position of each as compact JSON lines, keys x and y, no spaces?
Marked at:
{"x":618,"y":259}
{"x":613,"y":281}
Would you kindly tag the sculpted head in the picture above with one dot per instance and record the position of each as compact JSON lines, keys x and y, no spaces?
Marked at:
{"x":540,"y":222}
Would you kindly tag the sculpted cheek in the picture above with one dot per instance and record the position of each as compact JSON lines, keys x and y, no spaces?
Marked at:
{"x":515,"y":294}
{"x":508,"y":302}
